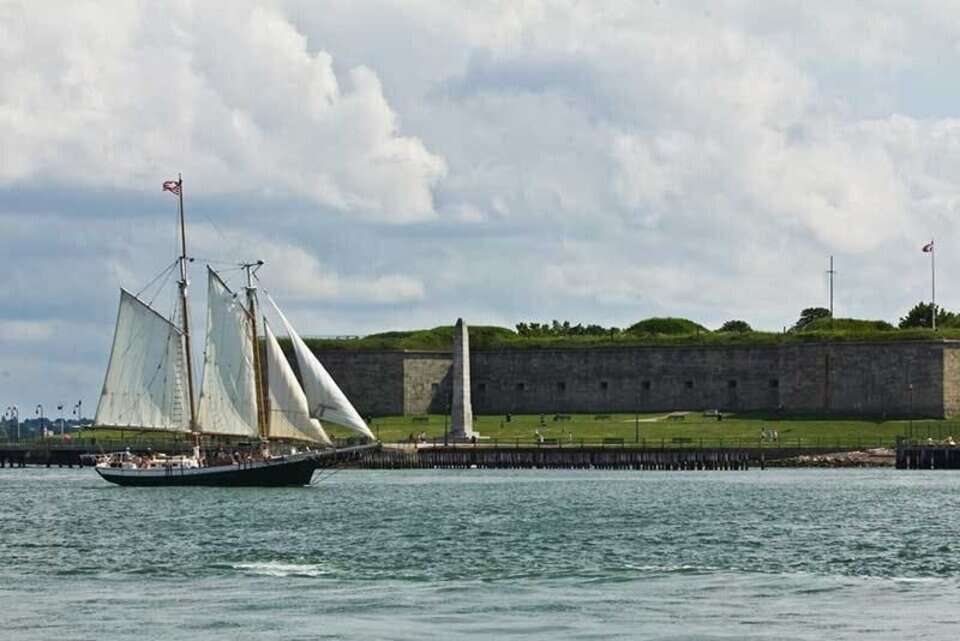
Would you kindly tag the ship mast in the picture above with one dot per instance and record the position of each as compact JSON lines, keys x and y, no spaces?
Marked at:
{"x":183,"y":305}
{"x":251,"y":269}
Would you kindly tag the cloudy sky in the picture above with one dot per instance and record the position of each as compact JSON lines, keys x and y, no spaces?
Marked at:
{"x":400,"y":164}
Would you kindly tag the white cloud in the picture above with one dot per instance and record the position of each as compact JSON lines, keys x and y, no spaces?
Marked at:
{"x":26,"y":331}
{"x":295,"y":274}
{"x":121,"y":96}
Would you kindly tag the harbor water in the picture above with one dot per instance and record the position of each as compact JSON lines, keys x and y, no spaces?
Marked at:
{"x":480,"y":554}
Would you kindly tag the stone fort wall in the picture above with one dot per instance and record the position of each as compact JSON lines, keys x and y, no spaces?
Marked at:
{"x":850,"y":379}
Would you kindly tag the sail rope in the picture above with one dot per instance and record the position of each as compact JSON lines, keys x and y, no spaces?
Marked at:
{"x":212,"y":261}
{"x":233,"y":244}
{"x":339,"y":467}
{"x":165,"y":275}
{"x":261,"y":285}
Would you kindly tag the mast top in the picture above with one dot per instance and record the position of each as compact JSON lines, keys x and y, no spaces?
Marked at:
{"x":259,"y":373}
{"x":251,"y":269}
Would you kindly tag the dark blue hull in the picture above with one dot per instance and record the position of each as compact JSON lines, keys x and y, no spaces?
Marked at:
{"x":295,"y":470}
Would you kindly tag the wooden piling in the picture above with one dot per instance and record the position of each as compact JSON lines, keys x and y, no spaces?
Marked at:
{"x":927,"y":457}
{"x":556,"y":457}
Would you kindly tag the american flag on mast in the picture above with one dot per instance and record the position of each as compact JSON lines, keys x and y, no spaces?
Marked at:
{"x":928,"y":248}
{"x":173,"y":186}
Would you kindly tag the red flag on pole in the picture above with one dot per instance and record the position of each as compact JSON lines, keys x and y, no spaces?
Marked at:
{"x":173,"y":186}
{"x":928,"y":247}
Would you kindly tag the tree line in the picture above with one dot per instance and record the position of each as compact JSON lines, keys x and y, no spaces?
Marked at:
{"x":919,"y":316}
{"x":811,"y":318}
{"x":565,"y":328}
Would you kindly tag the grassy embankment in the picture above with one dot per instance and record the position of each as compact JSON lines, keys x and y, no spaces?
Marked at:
{"x":487,"y":337}
{"x":693,"y":430}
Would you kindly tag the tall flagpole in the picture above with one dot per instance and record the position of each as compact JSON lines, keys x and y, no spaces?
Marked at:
{"x":831,"y":272}
{"x":933,"y":286}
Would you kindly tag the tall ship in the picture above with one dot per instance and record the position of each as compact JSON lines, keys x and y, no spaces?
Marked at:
{"x":255,"y":423}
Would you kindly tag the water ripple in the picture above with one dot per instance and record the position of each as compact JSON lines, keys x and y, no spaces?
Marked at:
{"x":789,"y":554}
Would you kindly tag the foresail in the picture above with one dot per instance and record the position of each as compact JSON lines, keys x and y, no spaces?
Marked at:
{"x":326,"y":400}
{"x":289,"y":412}
{"x":228,"y":394}
{"x":145,"y":386}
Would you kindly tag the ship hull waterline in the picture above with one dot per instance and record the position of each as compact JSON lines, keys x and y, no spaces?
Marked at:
{"x":288,"y":471}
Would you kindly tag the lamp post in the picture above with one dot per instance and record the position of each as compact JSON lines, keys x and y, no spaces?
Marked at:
{"x":39,"y":412}
{"x":446,"y":418}
{"x":636,"y":421}
{"x":78,"y":410}
{"x":60,"y":409}
{"x":14,"y":413}
{"x":910,"y":389}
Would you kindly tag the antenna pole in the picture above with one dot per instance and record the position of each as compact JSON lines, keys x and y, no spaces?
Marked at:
{"x":184,"y":282}
{"x":831,"y":272}
{"x":251,"y":269}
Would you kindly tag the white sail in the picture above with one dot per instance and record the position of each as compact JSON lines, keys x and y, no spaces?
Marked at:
{"x":146,"y":382}
{"x":228,"y":396}
{"x":319,"y":428}
{"x":326,"y":400}
{"x":289,"y":412}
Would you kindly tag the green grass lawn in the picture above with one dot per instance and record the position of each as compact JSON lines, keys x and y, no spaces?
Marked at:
{"x":654,"y":428}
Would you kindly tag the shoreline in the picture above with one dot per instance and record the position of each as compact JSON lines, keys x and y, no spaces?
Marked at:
{"x":874,"y":457}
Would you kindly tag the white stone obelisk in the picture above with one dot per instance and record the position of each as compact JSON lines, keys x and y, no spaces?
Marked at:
{"x":461,"y":410}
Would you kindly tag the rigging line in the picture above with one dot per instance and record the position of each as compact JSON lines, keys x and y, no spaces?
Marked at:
{"x":216,"y":262}
{"x":264,"y":289}
{"x":160,"y":289}
{"x":158,"y":277}
{"x":235,"y":244}
{"x":339,"y":467}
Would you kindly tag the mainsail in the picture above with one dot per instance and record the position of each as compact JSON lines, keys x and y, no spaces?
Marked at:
{"x":145,"y":386}
{"x":289,"y":413}
{"x":228,"y":396}
{"x":326,"y":400}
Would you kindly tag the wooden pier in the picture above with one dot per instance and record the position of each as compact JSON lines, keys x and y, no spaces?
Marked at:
{"x":588,"y":457}
{"x":58,"y":454}
{"x":915,"y":456}
{"x":32,"y":454}
{"x":509,"y":456}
